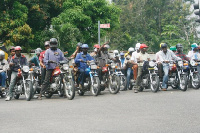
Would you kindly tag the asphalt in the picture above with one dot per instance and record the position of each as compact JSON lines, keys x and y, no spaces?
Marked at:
{"x":171,"y":111}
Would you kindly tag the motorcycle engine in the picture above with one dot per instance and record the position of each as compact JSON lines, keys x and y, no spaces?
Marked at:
{"x":53,"y":86}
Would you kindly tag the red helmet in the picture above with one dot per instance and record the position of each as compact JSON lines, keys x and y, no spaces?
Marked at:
{"x":18,"y":48}
{"x":96,"y":46}
{"x":143,"y":46}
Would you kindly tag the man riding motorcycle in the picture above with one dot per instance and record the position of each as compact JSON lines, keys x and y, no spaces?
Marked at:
{"x":180,"y":53}
{"x":80,"y":61}
{"x":3,"y":68}
{"x":141,"y":57}
{"x":41,"y":59}
{"x":17,"y":60}
{"x":51,"y":56}
{"x":34,"y":61}
{"x":94,"y":54}
{"x":192,"y":51}
{"x":165,"y":57}
{"x":12,"y":53}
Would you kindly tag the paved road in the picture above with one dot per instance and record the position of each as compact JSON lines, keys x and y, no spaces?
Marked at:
{"x":172,"y":111}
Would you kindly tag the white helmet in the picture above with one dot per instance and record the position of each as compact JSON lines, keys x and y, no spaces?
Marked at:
{"x":2,"y":55}
{"x":137,"y":46}
{"x":38,"y":50}
{"x":116,"y":53}
{"x":131,"y":49}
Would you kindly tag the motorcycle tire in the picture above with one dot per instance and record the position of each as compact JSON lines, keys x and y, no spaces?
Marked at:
{"x":123,"y":83}
{"x":16,"y":96}
{"x":155,"y":87}
{"x":81,"y":93}
{"x":195,"y":84}
{"x":183,"y":79}
{"x":114,"y":89}
{"x":95,"y":86}
{"x":34,"y":88}
{"x":29,"y":90}
{"x":69,"y":89}
{"x":141,"y":89}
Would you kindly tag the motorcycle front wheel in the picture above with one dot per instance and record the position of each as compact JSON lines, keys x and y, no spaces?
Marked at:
{"x":69,"y":89}
{"x":28,"y":90}
{"x":195,"y":81}
{"x":114,"y":84}
{"x":182,"y":85}
{"x":154,"y":85}
{"x":95,"y":86}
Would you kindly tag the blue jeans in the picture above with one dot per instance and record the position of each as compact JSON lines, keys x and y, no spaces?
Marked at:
{"x":82,"y":76}
{"x":3,"y":79}
{"x":165,"y":77}
{"x":129,"y":73}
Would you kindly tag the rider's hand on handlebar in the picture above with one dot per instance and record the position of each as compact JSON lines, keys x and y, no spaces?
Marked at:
{"x":50,"y":61}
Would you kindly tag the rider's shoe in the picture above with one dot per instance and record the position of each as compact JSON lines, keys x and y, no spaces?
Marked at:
{"x":39,"y":97}
{"x":135,"y":90}
{"x":8,"y":98}
{"x":2,"y":89}
{"x":164,"y":89}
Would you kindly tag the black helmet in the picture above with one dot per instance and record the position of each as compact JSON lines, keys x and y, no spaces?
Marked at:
{"x":79,"y":44}
{"x":53,"y":43}
{"x":163,"y":45}
{"x":179,"y":45}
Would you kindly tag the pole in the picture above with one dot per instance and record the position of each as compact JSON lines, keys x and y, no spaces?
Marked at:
{"x":99,"y":32}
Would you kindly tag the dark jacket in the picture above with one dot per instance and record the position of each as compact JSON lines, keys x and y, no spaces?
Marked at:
{"x":17,"y":62}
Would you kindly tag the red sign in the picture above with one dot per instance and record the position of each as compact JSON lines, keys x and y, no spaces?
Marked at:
{"x":105,"y":25}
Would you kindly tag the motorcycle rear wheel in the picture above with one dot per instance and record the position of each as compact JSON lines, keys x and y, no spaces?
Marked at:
{"x":69,"y":89}
{"x":114,"y":89}
{"x":95,"y":86}
{"x":29,"y":90}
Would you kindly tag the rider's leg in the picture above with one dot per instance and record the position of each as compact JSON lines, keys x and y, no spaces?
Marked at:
{"x":165,"y":77}
{"x":135,"y":71}
{"x":128,"y":78}
{"x":160,"y":70}
{"x":12,"y":84}
{"x":82,"y":76}
{"x":3,"y":79}
{"x":138,"y":80}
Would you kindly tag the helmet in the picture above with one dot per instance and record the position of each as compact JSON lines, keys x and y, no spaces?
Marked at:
{"x":46,"y":43}
{"x":2,"y":54}
{"x":53,"y":43}
{"x":79,"y":44}
{"x":106,"y":46}
{"x":137,"y":46}
{"x":131,"y":49}
{"x":18,"y":48}
{"x":38,"y":50}
{"x":143,"y":46}
{"x":85,"y":46}
{"x":173,"y":48}
{"x":179,"y":45}
{"x":96,"y":46}
{"x":194,"y":45}
{"x":12,"y":48}
{"x":121,"y":53}
{"x":163,"y":45}
{"x":116,"y":53}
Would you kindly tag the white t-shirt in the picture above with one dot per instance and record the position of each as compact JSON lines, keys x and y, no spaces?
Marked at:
{"x":143,"y":57}
{"x":134,"y":56}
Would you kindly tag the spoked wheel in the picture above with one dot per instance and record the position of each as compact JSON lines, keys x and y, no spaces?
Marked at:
{"x":69,"y":89}
{"x":123,"y":82}
{"x":95,"y":86}
{"x":154,"y":84}
{"x":195,"y":81}
{"x":28,"y":90}
{"x":35,"y":85}
{"x":183,"y":83}
{"x":114,"y":84}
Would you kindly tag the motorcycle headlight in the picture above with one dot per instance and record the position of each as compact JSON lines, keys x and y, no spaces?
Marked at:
{"x":25,"y":69}
{"x":193,"y":63}
{"x":65,"y":67}
{"x":93,"y":66}
{"x":152,"y":64}
{"x":180,"y":63}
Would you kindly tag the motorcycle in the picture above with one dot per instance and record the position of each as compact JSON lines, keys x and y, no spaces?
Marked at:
{"x":23,"y":83}
{"x":61,"y":81}
{"x":92,"y":82}
{"x":150,"y":79}
{"x":193,"y":75}
{"x":177,"y":76}
{"x":111,"y":77}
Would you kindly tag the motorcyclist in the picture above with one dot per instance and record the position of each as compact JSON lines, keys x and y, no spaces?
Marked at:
{"x":173,"y":49}
{"x":41,"y":59}
{"x":116,"y":58}
{"x":34,"y":61}
{"x":52,"y":55}
{"x":180,"y":53}
{"x":141,"y":57}
{"x":17,"y":60}
{"x":191,"y":52}
{"x":131,"y":67}
{"x":78,"y":50}
{"x":94,"y":54}
{"x":165,"y":57}
{"x":12,"y":53}
{"x":3,"y":68}
{"x":80,"y":60}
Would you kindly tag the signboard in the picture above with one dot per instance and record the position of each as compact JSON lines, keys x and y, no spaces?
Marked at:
{"x":105,"y":25}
